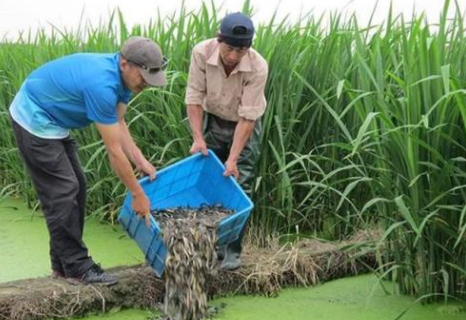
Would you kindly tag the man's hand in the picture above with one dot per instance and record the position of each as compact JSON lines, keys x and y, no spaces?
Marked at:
{"x":243,"y":132}
{"x":146,"y":168}
{"x":141,"y":205}
{"x":231,"y":169}
{"x":195,"y":113}
{"x":111,"y":135}
{"x":198,"y":146}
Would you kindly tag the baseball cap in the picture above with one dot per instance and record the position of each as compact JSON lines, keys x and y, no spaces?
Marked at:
{"x":147,"y":56}
{"x":237,"y":30}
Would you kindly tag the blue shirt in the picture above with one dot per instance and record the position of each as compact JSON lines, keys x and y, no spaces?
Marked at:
{"x":70,"y":93}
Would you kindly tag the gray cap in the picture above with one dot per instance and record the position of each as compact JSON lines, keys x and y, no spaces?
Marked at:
{"x":147,"y":56}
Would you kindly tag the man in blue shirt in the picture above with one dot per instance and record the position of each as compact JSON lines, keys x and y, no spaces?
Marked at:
{"x":71,"y":93}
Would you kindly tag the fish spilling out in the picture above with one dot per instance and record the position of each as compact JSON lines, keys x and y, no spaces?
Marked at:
{"x":191,"y":237}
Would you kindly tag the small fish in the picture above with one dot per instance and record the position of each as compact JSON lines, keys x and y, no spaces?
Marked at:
{"x":190,"y":236}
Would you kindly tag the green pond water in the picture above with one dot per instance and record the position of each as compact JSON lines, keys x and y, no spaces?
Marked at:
{"x":24,"y":243}
{"x":24,"y":254}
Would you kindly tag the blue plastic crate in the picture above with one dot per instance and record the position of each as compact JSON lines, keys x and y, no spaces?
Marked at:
{"x":192,"y":182}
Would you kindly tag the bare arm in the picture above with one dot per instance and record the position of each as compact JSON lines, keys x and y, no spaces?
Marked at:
{"x":112,"y":137}
{"x":243,"y":132}
{"x":127,"y":142}
{"x":195,"y":93}
{"x":252,"y":107}
{"x":133,"y":153}
{"x":195,"y":114}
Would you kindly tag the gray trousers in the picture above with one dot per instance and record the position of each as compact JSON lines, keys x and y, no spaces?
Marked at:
{"x":60,"y":184}
{"x":218,"y":135}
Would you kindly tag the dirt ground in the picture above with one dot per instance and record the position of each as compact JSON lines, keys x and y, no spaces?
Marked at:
{"x":264,"y":271}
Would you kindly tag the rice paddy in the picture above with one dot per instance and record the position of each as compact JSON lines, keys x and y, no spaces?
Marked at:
{"x":365,"y":126}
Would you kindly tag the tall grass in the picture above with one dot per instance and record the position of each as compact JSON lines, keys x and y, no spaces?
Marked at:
{"x":365,"y":125}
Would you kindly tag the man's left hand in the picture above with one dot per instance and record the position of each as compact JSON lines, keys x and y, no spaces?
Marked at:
{"x":146,"y":168}
{"x":231,"y":169}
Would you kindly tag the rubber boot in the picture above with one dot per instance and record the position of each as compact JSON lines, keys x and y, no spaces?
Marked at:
{"x":221,"y":253}
{"x":231,"y":261}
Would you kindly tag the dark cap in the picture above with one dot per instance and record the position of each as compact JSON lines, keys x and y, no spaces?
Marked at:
{"x":237,"y":30}
{"x":147,"y":56}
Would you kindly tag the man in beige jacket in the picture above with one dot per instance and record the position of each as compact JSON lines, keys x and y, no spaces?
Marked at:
{"x":225,"y":101}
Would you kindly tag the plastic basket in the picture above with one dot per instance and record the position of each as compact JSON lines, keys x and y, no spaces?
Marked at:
{"x":192,"y":182}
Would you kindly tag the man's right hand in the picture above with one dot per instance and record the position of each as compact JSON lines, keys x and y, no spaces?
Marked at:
{"x":198,"y":146}
{"x":141,"y":205}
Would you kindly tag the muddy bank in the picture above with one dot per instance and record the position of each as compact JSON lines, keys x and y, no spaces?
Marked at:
{"x":264,"y":271}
